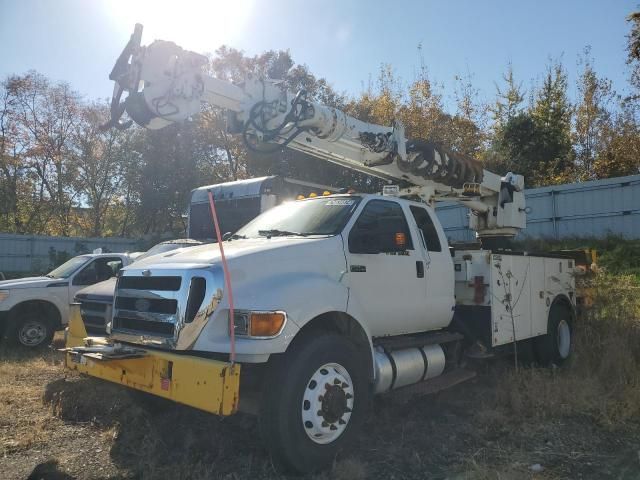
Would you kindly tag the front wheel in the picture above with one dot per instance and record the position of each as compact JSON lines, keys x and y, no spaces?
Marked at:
{"x":555,"y":347}
{"x":33,"y":332}
{"x":316,"y":398}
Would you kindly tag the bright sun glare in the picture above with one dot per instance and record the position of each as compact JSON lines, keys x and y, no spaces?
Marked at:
{"x":199,"y":25}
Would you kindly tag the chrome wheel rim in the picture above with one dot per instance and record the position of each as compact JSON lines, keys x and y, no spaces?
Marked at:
{"x":564,"y":339}
{"x":327,"y":403}
{"x":32,"y":333}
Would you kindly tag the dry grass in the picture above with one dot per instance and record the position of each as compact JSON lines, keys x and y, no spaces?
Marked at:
{"x":21,"y":379}
{"x":579,"y":421}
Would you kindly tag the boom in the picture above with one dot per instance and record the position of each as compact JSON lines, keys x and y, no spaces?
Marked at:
{"x":166,"y":84}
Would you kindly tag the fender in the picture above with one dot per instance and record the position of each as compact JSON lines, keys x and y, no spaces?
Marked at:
{"x":32,"y":295}
{"x":283,"y":291}
{"x":562,"y":298}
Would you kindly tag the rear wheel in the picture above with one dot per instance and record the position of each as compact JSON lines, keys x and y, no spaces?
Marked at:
{"x":555,"y":347}
{"x":315,"y":400}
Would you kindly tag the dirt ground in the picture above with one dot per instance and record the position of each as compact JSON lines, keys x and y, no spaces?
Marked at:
{"x":57,"y":427}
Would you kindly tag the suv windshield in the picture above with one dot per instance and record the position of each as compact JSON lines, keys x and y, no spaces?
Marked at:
{"x":67,"y":268}
{"x":314,"y":216}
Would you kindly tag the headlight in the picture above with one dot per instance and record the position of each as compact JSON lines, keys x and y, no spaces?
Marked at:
{"x":258,"y":324}
{"x":4,"y":294}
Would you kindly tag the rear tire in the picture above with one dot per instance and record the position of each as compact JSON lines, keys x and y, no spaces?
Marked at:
{"x":556,"y":346}
{"x":315,"y":400}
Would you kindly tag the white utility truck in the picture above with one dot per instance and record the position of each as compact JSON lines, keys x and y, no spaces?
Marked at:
{"x":334,"y":298}
{"x":33,"y":308}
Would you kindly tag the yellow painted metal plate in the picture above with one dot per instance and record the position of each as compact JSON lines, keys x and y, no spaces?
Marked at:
{"x":209,"y":385}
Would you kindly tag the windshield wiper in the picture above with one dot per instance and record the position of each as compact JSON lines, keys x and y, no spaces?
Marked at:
{"x":236,"y":236}
{"x":280,"y":233}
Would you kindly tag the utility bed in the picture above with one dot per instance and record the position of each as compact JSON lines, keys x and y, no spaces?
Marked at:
{"x":497,"y":293}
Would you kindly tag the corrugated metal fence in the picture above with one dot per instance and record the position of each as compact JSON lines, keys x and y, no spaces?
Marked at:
{"x":589,"y":209}
{"x":34,"y":253}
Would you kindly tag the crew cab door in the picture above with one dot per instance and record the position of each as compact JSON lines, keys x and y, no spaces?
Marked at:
{"x":386,"y":283}
{"x":440,"y":285}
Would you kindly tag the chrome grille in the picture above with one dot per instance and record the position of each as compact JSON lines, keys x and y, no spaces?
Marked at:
{"x":95,"y":315}
{"x":165,"y":307}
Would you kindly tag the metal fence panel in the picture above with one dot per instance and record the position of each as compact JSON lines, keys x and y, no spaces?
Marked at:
{"x":34,"y":253}
{"x":589,"y":209}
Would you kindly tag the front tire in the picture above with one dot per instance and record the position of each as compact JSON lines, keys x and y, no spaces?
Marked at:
{"x":316,"y":397}
{"x":555,"y":347}
{"x":33,"y":332}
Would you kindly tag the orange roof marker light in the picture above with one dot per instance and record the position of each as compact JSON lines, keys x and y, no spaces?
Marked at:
{"x":300,"y":197}
{"x":326,"y":192}
{"x":313,"y":195}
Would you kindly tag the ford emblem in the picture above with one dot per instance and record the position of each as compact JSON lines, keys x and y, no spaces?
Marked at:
{"x":142,"y":305}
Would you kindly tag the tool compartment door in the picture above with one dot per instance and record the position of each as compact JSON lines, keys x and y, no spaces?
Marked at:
{"x":511,"y":296}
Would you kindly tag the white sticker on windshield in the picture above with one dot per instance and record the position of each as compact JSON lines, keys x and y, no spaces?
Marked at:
{"x":340,"y":202}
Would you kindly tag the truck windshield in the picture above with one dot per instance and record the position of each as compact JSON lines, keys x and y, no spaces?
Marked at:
{"x":314,"y":216}
{"x":68,"y":267}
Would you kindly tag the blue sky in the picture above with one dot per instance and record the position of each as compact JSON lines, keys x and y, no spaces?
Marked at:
{"x":343,"y":41}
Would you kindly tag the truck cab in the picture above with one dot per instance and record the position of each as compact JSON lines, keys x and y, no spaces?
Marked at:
{"x":371,"y":257}
{"x":33,"y":308}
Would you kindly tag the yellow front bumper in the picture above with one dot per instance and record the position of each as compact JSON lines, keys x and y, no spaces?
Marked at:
{"x":210,"y":385}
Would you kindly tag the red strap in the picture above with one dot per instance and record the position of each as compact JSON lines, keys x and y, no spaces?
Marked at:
{"x":227,"y":278}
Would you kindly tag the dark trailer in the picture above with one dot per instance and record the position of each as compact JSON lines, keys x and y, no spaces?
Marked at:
{"x":239,"y":202}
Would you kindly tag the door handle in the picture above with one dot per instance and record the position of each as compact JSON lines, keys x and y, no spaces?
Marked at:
{"x":420,"y":269}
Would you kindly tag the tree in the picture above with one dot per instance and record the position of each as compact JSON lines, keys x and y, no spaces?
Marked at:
{"x":508,"y":103}
{"x":552,"y":113}
{"x":12,"y":166}
{"x":517,"y":148}
{"x":633,"y":53}
{"x":619,"y":153}
{"x":593,"y":118}
{"x":100,"y":158}
{"x":46,"y":115}
{"x":469,"y":122}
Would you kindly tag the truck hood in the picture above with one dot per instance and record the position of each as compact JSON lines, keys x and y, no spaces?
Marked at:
{"x":32,"y":282}
{"x":99,"y":291}
{"x":209,"y":254}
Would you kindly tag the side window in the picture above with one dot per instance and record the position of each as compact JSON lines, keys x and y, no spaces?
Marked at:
{"x":385,"y":221}
{"x":424,"y":222}
{"x":97,"y":271}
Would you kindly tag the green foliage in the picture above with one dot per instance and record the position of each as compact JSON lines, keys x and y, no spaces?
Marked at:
{"x":616,"y":255}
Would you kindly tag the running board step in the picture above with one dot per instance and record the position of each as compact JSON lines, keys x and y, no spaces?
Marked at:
{"x":414,"y":341}
{"x":428,"y":387}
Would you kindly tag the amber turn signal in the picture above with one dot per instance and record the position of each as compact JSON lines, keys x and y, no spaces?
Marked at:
{"x":266,"y":324}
